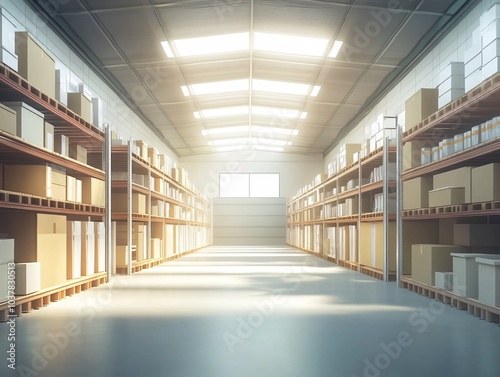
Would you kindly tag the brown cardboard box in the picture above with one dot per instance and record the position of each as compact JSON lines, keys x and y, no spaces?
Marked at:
{"x":155,"y":248}
{"x":93,"y":191}
{"x":80,"y":104}
{"x":446,"y":196}
{"x":38,"y":68}
{"x":371,"y":242}
{"x":39,"y":238}
{"x":143,"y":147}
{"x":77,"y":152}
{"x":419,"y":106}
{"x":1,"y":176}
{"x":477,"y":235}
{"x":8,"y":121}
{"x":29,"y":179}
{"x":486,"y":183}
{"x":153,"y":156}
{"x":27,"y":278}
{"x":49,"y":137}
{"x":170,"y":239}
{"x":461,"y":177}
{"x":176,"y":174}
{"x":121,"y":255}
{"x":416,"y":192}
{"x":61,"y":144}
{"x":119,"y":203}
{"x":58,"y":187}
{"x":412,"y":153}
{"x":414,"y":232}
{"x":427,"y":259}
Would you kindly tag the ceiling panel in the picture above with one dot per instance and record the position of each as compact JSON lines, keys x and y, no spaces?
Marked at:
{"x":125,"y":36}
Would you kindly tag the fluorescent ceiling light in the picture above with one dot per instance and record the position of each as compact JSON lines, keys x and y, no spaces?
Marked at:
{"x":274,"y":130}
{"x":228,"y":142}
{"x":270,"y":149}
{"x":280,"y":87}
{"x":168,"y":49}
{"x":315,"y":90}
{"x":212,"y":45}
{"x":226,"y":130}
{"x":335,"y":49}
{"x":303,"y":115}
{"x":185,"y":90}
{"x":287,"y":44}
{"x":221,"y":112}
{"x":271,"y":111}
{"x":231,"y":148}
{"x":218,"y":87}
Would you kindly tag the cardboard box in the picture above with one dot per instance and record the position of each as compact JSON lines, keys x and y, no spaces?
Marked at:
{"x":8,"y":121}
{"x":417,"y":232}
{"x":30,"y":123}
{"x":39,"y":238}
{"x":35,"y":65}
{"x":155,"y":248}
{"x":74,"y":249}
{"x":100,"y":247}
{"x":466,"y":273}
{"x":6,"y":258}
{"x":420,"y":106}
{"x":29,"y":179}
{"x":446,"y":196}
{"x":81,"y":105}
{"x":139,"y":203}
{"x":412,"y":153}
{"x":58,"y":178}
{"x":444,"y":280}
{"x":70,"y":189}
{"x":88,"y":248}
{"x":486,"y":183}
{"x":28,"y":278}
{"x":143,"y":149}
{"x":416,"y":192}
{"x":452,"y":69}
{"x":49,"y":137}
{"x":153,"y":156}
{"x":489,"y":281}
{"x":77,"y":152}
{"x":61,"y":144}
{"x":427,"y":259}
{"x":450,"y":95}
{"x":478,"y":235}
{"x":490,"y":69}
{"x":461,"y":177}
{"x":79,"y":191}
{"x":93,"y":191}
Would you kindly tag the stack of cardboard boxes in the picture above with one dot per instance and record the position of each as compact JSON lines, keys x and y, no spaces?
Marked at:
{"x":451,"y":83}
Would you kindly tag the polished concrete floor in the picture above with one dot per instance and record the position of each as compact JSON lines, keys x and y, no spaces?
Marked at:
{"x":256,"y":312}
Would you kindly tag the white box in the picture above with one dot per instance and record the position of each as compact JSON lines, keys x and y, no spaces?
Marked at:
{"x":473,"y":80}
{"x":97,"y":112}
{"x":491,"y":51}
{"x":452,"y":82}
{"x":27,"y":278}
{"x":465,"y":273}
{"x":74,"y":249}
{"x":490,"y":33}
{"x":444,"y":280}
{"x":489,"y":281}
{"x":490,"y":69}
{"x":62,"y":80}
{"x":467,"y":139}
{"x":450,"y":95}
{"x":473,"y":65}
{"x":475,"y":138}
{"x":88,"y":248}
{"x":100,"y":247}
{"x":6,"y":257}
{"x":452,"y":69}
{"x":489,"y":16}
{"x":30,"y":123}
{"x":8,"y":29}
{"x":458,"y":142}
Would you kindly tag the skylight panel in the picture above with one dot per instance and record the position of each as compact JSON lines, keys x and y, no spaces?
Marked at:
{"x":335,"y":49}
{"x":286,"y":44}
{"x":218,"y":87}
{"x":226,"y":130}
{"x":216,"y":44}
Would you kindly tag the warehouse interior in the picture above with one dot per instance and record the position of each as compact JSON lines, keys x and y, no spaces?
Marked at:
{"x":249,"y":187}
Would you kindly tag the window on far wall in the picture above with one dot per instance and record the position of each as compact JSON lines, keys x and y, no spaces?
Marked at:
{"x":249,"y":185}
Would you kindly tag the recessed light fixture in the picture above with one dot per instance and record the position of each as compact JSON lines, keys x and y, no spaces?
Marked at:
{"x":216,"y":44}
{"x":218,"y":87}
{"x":226,"y":130}
{"x":286,"y":44}
{"x":335,"y":49}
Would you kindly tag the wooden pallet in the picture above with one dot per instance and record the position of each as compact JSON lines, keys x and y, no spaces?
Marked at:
{"x":25,"y":304}
{"x":473,"y":307}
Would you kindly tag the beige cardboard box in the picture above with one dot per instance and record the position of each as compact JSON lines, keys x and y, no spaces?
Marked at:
{"x":61,"y":144}
{"x":70,"y":189}
{"x":416,"y":192}
{"x":419,"y":106}
{"x":35,"y":65}
{"x":49,"y":136}
{"x":176,"y":174}
{"x":8,"y":121}
{"x":77,"y":152}
{"x":427,"y":259}
{"x":74,"y":249}
{"x":412,"y":153}
{"x":100,"y":247}
{"x":1,"y":176}
{"x":446,"y":196}
{"x":122,"y":255}
{"x":93,"y":191}
{"x":477,"y":235}
{"x":488,"y":284}
{"x":30,"y":123}
{"x":143,"y":147}
{"x":461,"y":177}
{"x":79,"y":191}
{"x":88,"y":248}
{"x":155,"y":248}
{"x":153,"y":156}
{"x":39,"y":238}
{"x":6,"y":257}
{"x":29,"y":179}
{"x":28,"y":278}
{"x":486,"y":183}
{"x":417,"y":232}
{"x":58,"y":177}
{"x":81,"y":105}
{"x":119,"y":203}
